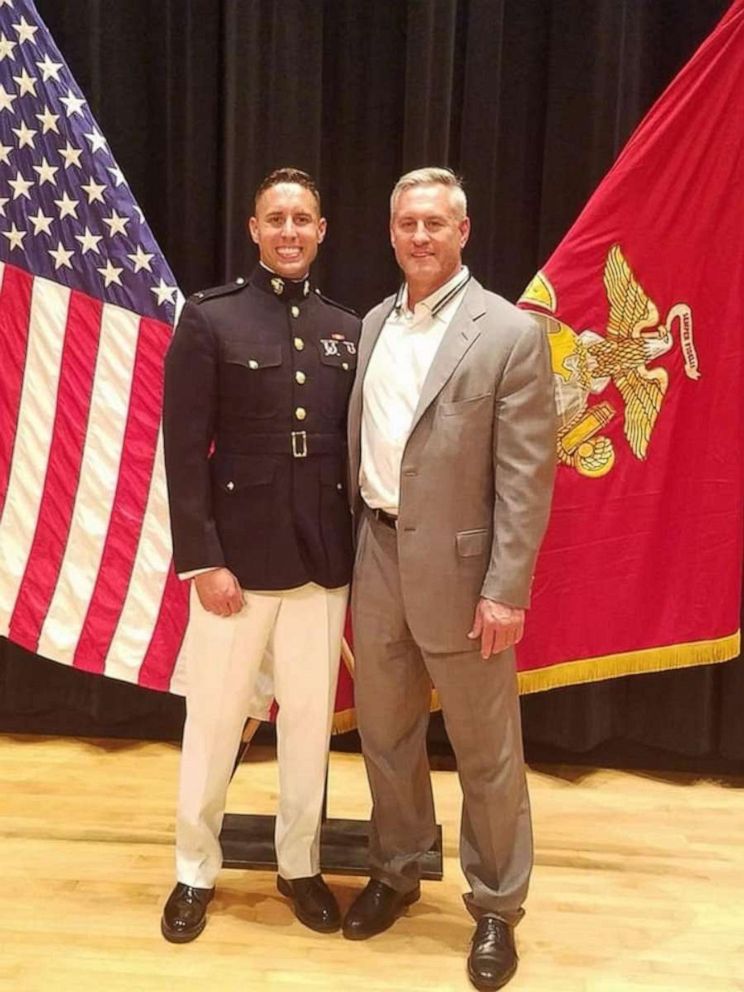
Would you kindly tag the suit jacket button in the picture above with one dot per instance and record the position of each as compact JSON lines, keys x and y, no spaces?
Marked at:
{"x":299,"y":344}
{"x":230,"y":486}
{"x":300,"y":413}
{"x":253,"y":364}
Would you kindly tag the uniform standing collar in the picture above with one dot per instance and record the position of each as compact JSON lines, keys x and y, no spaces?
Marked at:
{"x":286,"y":290}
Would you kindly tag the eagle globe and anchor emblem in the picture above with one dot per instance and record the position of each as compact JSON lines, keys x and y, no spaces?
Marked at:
{"x":584,"y":364}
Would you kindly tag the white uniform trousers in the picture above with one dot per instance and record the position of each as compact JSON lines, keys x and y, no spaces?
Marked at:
{"x":302,"y":628}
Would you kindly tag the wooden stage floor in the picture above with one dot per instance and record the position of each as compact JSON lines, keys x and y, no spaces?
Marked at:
{"x":638,"y":884}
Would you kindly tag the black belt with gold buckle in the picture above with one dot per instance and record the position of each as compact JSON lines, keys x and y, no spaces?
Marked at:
{"x":298,"y":444}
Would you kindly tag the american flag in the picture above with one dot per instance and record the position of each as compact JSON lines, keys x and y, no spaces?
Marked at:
{"x":87,"y":306}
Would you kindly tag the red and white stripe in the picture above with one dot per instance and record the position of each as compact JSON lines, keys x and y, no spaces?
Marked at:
{"x":85,"y":554}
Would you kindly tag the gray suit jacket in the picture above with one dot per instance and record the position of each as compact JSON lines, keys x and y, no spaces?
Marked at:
{"x":477,"y":472}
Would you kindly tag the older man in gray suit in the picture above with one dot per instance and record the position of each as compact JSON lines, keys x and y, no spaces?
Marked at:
{"x":451,"y":446}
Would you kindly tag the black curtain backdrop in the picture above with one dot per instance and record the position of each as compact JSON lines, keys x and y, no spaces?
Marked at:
{"x":531,"y":100}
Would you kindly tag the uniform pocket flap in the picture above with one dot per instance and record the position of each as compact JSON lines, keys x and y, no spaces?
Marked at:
{"x":332,"y":474}
{"x":472,"y":542}
{"x":240,"y":471}
{"x":253,"y":356}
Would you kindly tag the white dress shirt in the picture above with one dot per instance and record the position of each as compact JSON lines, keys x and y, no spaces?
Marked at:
{"x":399,"y":364}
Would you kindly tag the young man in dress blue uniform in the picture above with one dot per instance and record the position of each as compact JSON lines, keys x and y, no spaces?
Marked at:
{"x":256,"y":391}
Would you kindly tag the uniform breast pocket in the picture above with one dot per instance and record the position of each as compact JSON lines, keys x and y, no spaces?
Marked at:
{"x":251,"y":377}
{"x":338,"y":360}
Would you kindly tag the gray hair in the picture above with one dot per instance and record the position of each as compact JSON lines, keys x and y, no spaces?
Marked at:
{"x":433,"y":176}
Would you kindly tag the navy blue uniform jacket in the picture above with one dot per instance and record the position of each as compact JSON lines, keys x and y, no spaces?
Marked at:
{"x":257,"y":384}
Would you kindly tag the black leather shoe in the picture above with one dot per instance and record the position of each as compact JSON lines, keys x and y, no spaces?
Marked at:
{"x":375,"y":909}
{"x":314,"y":903}
{"x":492,"y":961}
{"x":185,"y":913}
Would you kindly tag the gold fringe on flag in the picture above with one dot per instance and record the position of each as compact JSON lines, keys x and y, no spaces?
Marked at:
{"x":598,"y":669}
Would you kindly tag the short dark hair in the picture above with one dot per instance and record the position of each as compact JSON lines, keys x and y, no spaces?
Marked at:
{"x":287,"y":175}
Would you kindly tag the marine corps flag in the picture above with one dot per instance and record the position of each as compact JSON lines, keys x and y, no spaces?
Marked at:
{"x":643,"y":304}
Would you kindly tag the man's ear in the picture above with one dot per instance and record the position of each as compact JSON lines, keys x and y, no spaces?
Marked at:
{"x":252,"y":228}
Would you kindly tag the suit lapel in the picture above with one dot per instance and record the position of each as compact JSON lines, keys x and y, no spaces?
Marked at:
{"x":459,"y":336}
{"x":370,"y":333}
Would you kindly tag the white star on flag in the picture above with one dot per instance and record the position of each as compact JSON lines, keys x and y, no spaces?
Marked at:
{"x":49,"y":69}
{"x":61,"y":256}
{"x":7,"y":99}
{"x":71,"y":155}
{"x":164,"y":292}
{"x":94,"y":191}
{"x":141,"y":259}
{"x":117,"y":174}
{"x":73,"y":104}
{"x":20,"y":186}
{"x":40,"y":222}
{"x":4,"y":150}
{"x":3,"y":201}
{"x":25,"y":135}
{"x":110,"y":273}
{"x":67,"y":206}
{"x":25,"y":31}
{"x":15,"y":237}
{"x":46,"y":172}
{"x":48,"y":121}
{"x":117,"y":224}
{"x":6,"y":48}
{"x":26,"y":83}
{"x":89,"y":241}
{"x":97,"y":141}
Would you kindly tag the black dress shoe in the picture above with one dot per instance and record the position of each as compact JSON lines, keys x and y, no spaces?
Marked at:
{"x":492,"y":961}
{"x":314,"y":903}
{"x":375,"y":909}
{"x":185,"y":913}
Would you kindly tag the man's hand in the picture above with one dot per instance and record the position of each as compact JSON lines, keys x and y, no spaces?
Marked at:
{"x":497,"y":625}
{"x":219,"y":592}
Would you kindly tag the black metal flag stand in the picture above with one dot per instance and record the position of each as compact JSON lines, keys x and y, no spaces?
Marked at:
{"x":248,"y":841}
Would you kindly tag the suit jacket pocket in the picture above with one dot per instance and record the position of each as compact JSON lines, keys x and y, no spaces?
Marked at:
{"x":472,"y":542}
{"x":452,"y":407}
